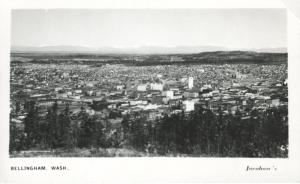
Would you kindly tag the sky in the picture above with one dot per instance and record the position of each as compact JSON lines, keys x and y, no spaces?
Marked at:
{"x":233,"y":28}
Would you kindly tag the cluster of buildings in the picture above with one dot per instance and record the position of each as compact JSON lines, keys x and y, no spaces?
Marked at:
{"x":151,"y":91}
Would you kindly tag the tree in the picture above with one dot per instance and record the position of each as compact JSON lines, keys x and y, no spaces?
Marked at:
{"x":31,"y":128}
{"x":65,"y":132}
{"x":16,"y":138}
{"x":53,"y":125}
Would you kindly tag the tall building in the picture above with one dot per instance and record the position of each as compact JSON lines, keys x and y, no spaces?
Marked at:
{"x":191,"y":82}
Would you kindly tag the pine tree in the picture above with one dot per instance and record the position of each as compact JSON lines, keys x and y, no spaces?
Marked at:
{"x":53,"y":125}
{"x":31,"y":123}
{"x":65,"y":130}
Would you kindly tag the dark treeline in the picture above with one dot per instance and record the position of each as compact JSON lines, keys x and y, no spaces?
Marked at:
{"x":200,"y":133}
{"x":204,"y":133}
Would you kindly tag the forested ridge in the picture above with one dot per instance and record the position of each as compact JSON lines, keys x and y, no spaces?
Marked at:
{"x":199,"y":133}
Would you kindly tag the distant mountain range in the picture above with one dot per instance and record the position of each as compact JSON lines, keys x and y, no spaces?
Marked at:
{"x":137,"y":50}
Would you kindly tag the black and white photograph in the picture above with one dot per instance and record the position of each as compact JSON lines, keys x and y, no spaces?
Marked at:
{"x":149,"y":91}
{"x":149,"y":83}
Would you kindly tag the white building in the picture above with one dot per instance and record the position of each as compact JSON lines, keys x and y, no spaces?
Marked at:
{"x":120,"y":87}
{"x":90,"y":84}
{"x":183,"y":80}
{"x":58,"y":89}
{"x":169,"y":94}
{"x":156,"y":86}
{"x":135,"y":102}
{"x":201,"y":70}
{"x":90,"y":93}
{"x":76,"y":97}
{"x":236,"y":84}
{"x":177,"y":97}
{"x":205,"y":95}
{"x":188,"y":105}
{"x":275,"y":102}
{"x":240,"y":76}
{"x":191,"y":82}
{"x":78,"y":91}
{"x":90,"y":112}
{"x":149,"y":106}
{"x":62,"y":95}
{"x":142,"y":87}
{"x":65,"y":75}
{"x":187,"y":94}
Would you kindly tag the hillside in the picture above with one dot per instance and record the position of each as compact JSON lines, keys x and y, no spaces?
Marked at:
{"x":215,"y":57}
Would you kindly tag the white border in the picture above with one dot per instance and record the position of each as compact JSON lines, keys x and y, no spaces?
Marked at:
{"x":151,"y":170}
